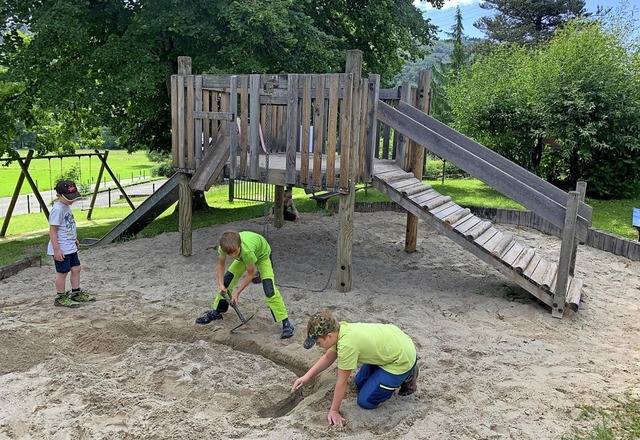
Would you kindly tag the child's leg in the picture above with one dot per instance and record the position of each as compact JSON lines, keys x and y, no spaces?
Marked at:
{"x":75,"y":277}
{"x":272,"y":294}
{"x":377,"y":387}
{"x":231,"y":278}
{"x":61,"y":282}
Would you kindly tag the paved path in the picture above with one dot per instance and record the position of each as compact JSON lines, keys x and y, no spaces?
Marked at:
{"x":109,"y":193}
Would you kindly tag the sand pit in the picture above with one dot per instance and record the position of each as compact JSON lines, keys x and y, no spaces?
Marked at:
{"x":494,"y":363}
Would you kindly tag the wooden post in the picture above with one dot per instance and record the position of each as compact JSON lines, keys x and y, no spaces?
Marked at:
{"x":403,"y":141}
{"x":416,"y":157}
{"x":581,"y":187}
{"x":278,"y":207}
{"x":16,"y":194}
{"x":185,"y":203}
{"x":115,"y":179}
{"x":566,"y":251}
{"x":96,"y":188}
{"x":347,"y":201}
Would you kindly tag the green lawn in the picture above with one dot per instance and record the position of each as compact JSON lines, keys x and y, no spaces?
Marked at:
{"x":46,"y":172}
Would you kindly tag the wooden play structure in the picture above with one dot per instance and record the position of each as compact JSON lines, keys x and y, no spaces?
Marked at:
{"x":323,"y":132}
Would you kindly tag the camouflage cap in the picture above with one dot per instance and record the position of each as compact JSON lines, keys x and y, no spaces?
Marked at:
{"x":319,"y":325}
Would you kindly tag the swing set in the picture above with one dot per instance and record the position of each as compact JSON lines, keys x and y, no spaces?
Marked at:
{"x":24,"y":163}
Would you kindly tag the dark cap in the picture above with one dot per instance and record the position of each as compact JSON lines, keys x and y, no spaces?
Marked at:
{"x":68,"y":190}
{"x":319,"y":325}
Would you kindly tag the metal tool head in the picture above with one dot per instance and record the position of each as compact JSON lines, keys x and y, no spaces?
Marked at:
{"x":241,"y":324}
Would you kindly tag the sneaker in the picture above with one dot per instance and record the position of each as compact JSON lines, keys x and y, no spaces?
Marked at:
{"x":410,"y":384}
{"x":80,"y":296}
{"x":256,"y":279}
{"x":65,"y":301}
{"x":211,"y":315}
{"x":287,"y":331}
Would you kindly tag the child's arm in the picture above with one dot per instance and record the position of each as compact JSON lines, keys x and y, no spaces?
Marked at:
{"x":251,"y":272}
{"x":53,"y":236}
{"x":222,"y":261}
{"x":321,"y":364}
{"x":333,"y":416}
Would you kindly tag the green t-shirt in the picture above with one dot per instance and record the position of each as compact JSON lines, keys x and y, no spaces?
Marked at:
{"x":253,"y":247}
{"x":384,"y":345}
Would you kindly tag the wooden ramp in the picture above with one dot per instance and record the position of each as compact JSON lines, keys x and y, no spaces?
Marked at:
{"x":518,"y":262}
{"x":149,"y":210}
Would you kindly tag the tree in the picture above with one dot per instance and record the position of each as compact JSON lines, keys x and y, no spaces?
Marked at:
{"x":525,"y":21}
{"x":107,"y":63}
{"x":568,"y":110}
{"x":446,"y":74}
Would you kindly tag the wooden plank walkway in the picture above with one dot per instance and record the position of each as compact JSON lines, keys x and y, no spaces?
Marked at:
{"x":517,"y":261}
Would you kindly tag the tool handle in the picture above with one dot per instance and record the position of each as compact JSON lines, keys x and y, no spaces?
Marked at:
{"x":227,"y":297}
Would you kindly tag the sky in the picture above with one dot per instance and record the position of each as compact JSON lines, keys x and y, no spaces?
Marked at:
{"x":471,"y":12}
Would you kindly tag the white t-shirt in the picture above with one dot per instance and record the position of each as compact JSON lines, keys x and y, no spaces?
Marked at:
{"x":62,"y":216}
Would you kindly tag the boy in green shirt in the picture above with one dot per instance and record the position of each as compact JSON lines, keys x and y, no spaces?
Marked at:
{"x":251,"y":252}
{"x":387,"y":354}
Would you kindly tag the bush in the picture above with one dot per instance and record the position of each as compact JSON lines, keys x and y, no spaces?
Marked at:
{"x":163,"y":169}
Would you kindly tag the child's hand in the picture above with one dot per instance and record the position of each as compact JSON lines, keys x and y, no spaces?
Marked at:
{"x":235,"y":297}
{"x":299,"y":383}
{"x":334,"y":418}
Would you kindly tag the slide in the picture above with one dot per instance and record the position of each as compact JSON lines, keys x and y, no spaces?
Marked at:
{"x":144,"y":214}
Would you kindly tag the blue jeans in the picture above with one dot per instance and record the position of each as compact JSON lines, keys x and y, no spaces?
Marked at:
{"x":376,"y":385}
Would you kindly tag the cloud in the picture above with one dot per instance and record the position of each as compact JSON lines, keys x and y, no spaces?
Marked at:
{"x":448,"y":4}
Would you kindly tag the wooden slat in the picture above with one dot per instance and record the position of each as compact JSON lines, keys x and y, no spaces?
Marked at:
{"x":462,"y":220}
{"x":199,"y":139}
{"x":512,"y":253}
{"x":424,"y":197}
{"x":549,"y":277}
{"x":345,"y":132}
{"x":531,"y":267}
{"x":434,"y":203}
{"x":444,"y":210}
{"x":454,"y":217}
{"x":465,"y":223}
{"x":538,"y":274}
{"x":523,"y":260}
{"x":244,"y":123}
{"x":332,"y":130}
{"x":306,"y":129}
{"x":175,"y":131}
{"x":574,"y":292}
{"x":318,"y":131}
{"x":477,"y":230}
{"x":189,"y":164}
{"x":254,"y":127}
{"x":292,"y":129}
{"x":501,"y":246}
{"x":233,"y":128}
{"x":486,"y":236}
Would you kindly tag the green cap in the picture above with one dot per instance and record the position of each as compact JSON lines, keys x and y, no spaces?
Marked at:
{"x":319,"y":325}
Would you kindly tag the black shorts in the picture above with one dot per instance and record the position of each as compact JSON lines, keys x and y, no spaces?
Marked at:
{"x":70,"y":260}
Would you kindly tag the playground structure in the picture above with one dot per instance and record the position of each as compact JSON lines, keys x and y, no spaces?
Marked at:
{"x":322,"y":132}
{"x":24,"y":163}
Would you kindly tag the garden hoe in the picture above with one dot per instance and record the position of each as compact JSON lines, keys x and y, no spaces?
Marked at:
{"x":243,"y":321}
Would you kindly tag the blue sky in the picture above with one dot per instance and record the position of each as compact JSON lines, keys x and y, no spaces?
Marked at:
{"x":444,"y":18}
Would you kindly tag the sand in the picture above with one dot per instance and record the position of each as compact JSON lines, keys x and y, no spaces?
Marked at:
{"x":494,"y":363}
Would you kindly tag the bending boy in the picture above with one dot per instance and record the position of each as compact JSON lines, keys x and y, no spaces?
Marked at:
{"x":387,"y":354}
{"x":250,"y":252}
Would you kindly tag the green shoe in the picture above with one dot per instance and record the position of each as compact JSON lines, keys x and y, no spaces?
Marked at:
{"x":80,"y":296}
{"x":65,"y":301}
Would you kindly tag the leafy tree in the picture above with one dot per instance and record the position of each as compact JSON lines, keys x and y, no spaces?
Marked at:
{"x":107,"y":63}
{"x":569,"y":110}
{"x":525,"y":21}
{"x":588,"y":89}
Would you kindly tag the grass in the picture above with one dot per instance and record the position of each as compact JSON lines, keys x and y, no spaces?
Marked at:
{"x":46,"y":172}
{"x":619,"y":422}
